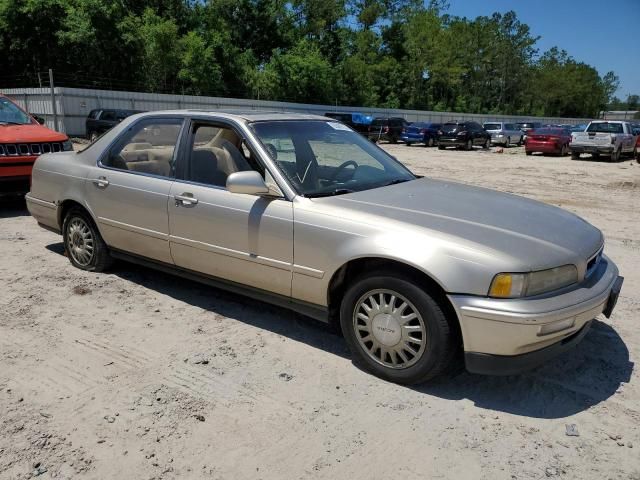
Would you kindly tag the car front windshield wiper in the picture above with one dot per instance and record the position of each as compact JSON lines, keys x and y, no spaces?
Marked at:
{"x":396,"y":181}
{"x":6,"y":122}
{"x":330,"y":193}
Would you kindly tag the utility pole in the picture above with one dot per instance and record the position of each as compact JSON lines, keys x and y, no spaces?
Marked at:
{"x":53,"y":101}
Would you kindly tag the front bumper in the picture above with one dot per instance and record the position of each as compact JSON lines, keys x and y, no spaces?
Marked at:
{"x":604,"y":149}
{"x":452,"y":142}
{"x":411,"y":138}
{"x":505,"y":336}
{"x":12,"y":167}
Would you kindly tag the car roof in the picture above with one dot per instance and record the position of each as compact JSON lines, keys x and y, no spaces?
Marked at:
{"x":249,"y":115}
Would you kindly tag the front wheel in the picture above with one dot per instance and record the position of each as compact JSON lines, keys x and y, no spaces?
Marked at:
{"x":396,"y":330}
{"x":430,"y":142}
{"x":83,"y":243}
{"x":575,"y":156}
{"x":469,"y":145}
{"x":441,"y":147}
{"x":487,"y":144}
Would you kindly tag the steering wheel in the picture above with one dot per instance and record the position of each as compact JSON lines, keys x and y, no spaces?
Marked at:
{"x":342,"y":167}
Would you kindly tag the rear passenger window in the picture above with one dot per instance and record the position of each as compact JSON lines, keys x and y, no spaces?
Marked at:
{"x":147,"y":147}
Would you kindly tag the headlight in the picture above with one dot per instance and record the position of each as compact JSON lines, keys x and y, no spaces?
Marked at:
{"x":67,"y":146}
{"x":513,"y":285}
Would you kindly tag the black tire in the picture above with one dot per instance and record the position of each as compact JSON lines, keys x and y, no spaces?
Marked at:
{"x":508,"y":142}
{"x":469,"y":145}
{"x":93,"y":136}
{"x":75,"y":221}
{"x":393,"y":140}
{"x":408,"y":144}
{"x":575,"y":156}
{"x":440,"y":348}
{"x":528,"y":153}
{"x":430,"y":143}
{"x":615,"y":156}
{"x":441,"y":147}
{"x":487,"y":144}
{"x":519,"y":144}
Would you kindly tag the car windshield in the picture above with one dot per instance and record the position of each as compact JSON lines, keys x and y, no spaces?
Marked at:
{"x":322,"y":158}
{"x":548,"y":131}
{"x":605,"y":127}
{"x":450,"y":127}
{"x":492,"y":126}
{"x":11,"y":114}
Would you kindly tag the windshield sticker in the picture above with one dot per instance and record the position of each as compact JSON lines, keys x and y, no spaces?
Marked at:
{"x":339,"y":126}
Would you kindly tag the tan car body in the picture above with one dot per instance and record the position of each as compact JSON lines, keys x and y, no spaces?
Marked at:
{"x":295,"y":251}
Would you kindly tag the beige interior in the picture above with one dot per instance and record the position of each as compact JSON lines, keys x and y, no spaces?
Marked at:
{"x":223,"y":157}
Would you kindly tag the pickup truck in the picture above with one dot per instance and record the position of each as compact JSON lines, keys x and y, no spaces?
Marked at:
{"x":611,"y":138}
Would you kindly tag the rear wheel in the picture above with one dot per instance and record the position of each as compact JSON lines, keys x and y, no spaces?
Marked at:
{"x":615,"y":156}
{"x":487,"y":144}
{"x":396,"y":330}
{"x":441,"y":147}
{"x":393,"y":139}
{"x":528,"y":153}
{"x":83,"y":243}
{"x":468,"y":145}
{"x":430,"y":142}
{"x":519,"y":141}
{"x":575,"y":156}
{"x":93,"y":137}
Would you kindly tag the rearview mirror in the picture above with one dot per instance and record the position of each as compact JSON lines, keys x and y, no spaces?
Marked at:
{"x":249,"y":183}
{"x":38,"y":119}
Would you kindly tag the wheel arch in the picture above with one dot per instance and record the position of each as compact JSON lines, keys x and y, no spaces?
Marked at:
{"x":65,"y":205}
{"x":353,"y":268}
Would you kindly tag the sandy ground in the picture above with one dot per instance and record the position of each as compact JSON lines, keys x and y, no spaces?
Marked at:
{"x":135,"y":374}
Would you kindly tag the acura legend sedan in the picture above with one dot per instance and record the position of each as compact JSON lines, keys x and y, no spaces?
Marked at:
{"x":301,"y":211}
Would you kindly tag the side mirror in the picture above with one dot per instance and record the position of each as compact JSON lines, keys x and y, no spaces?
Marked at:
{"x":38,"y":119}
{"x":249,"y":183}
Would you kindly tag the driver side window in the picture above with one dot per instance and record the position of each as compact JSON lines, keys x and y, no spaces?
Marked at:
{"x":216,"y":152}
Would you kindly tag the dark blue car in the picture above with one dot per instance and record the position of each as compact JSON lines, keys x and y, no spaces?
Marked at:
{"x":421,"y":132}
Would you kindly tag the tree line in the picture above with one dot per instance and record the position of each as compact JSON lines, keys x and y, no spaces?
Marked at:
{"x":374,"y":53}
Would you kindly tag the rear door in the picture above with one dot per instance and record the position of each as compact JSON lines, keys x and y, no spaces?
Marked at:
{"x":128,"y":190}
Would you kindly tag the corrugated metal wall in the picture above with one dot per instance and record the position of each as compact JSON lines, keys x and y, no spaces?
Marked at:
{"x":73,"y":105}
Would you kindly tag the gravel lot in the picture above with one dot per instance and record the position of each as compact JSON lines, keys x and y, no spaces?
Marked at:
{"x":137,"y":374}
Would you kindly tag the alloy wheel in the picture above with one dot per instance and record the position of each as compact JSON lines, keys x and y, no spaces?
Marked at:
{"x":389,"y":328}
{"x":80,"y":241}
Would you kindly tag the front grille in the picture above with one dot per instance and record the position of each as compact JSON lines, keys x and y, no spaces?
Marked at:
{"x":28,"y":149}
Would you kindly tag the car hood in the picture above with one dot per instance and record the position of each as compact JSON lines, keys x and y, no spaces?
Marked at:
{"x":29,"y":133}
{"x":530,"y":234}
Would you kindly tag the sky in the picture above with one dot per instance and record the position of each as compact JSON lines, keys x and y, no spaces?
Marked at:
{"x":604,"y":34}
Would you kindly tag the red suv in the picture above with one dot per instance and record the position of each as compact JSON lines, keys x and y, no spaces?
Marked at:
{"x":22,"y":140}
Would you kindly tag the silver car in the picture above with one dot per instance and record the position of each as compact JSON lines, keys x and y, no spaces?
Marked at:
{"x":303,"y":212}
{"x":503,"y":133}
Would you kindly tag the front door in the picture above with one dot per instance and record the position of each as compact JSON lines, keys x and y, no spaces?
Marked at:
{"x":129,"y":189}
{"x":245,"y":239}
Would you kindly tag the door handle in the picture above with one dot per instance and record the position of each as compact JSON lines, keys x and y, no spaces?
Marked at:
{"x":101,"y":182}
{"x":186,"y":200}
